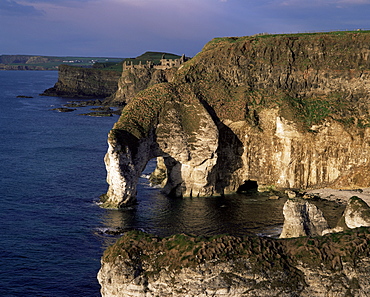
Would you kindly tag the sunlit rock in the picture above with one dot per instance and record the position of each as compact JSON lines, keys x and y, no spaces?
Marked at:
{"x":278,"y":110}
{"x":357,"y":213}
{"x":302,"y":218}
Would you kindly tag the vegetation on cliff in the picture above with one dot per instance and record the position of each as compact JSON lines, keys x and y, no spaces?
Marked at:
{"x":182,"y":250}
{"x":238,"y":77}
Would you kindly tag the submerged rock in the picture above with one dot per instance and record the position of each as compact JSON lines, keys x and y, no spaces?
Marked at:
{"x":64,"y":109}
{"x":24,"y":96}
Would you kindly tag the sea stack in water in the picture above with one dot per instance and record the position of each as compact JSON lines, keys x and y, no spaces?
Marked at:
{"x":302,"y":218}
{"x":290,"y":111}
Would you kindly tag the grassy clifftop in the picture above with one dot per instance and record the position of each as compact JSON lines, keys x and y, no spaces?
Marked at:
{"x":191,"y":250}
{"x":308,"y":77}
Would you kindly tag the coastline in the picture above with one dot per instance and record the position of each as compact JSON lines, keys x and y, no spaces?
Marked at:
{"x":341,"y":195}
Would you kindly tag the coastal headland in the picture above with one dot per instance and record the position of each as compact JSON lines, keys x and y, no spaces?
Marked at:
{"x":115,"y":82}
{"x":286,"y":114}
{"x":281,"y":111}
{"x":269,"y":112}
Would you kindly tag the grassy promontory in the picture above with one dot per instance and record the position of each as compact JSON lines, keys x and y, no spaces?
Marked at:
{"x":298,"y":74}
{"x":264,"y":255}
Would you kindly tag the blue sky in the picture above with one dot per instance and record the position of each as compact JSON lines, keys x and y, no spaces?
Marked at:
{"x":128,"y":28}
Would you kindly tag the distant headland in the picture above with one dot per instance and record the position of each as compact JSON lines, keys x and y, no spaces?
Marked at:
{"x":30,"y":62}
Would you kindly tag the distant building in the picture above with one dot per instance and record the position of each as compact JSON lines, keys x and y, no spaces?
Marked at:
{"x":164,"y":64}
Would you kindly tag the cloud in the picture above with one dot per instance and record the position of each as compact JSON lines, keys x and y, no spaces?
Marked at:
{"x":13,"y":8}
{"x":353,"y":2}
{"x":318,"y":3}
{"x":130,"y":27}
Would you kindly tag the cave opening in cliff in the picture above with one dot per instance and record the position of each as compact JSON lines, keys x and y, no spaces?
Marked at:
{"x":249,"y":186}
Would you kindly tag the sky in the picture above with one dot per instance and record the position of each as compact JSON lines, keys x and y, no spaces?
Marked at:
{"x":128,"y":28}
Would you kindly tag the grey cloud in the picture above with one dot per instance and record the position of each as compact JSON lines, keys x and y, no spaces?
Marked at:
{"x":12,"y":8}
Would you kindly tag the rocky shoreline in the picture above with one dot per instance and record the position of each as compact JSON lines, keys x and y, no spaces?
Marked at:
{"x":182,"y":265}
{"x":341,"y":195}
{"x":304,"y":262}
{"x":99,"y":108}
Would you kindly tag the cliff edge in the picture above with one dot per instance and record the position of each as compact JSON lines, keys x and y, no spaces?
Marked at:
{"x":142,"y":265}
{"x":78,"y":82}
{"x":285,"y":110}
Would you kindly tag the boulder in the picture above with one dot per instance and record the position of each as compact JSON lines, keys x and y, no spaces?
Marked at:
{"x":302,"y":218}
{"x":357,"y":213}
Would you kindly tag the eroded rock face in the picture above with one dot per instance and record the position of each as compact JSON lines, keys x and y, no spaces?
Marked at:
{"x":84,"y":83}
{"x":133,"y":81}
{"x":186,"y":138}
{"x":302,"y":218}
{"x":180,"y":265}
{"x":288,"y":111}
{"x":124,"y":165}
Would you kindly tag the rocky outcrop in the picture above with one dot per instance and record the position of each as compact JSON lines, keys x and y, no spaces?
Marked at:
{"x":180,"y":265}
{"x":159,"y":175}
{"x":135,"y":80}
{"x":302,"y":218}
{"x":357,"y":213}
{"x":184,"y":135}
{"x":290,"y":111}
{"x":79,"y":82}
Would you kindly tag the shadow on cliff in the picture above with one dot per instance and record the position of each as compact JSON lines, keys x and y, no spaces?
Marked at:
{"x":230,"y":150}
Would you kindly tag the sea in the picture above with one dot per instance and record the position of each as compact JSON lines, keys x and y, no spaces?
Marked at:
{"x":53,"y":231}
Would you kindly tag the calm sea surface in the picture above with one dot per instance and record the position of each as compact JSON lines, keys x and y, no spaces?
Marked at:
{"x":52,"y":173}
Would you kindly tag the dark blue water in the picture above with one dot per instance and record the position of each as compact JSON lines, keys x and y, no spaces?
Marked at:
{"x":52,"y":173}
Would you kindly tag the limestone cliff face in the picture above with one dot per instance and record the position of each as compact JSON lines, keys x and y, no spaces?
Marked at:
{"x":141,"y":265}
{"x":184,"y":135}
{"x":84,"y":83}
{"x":135,"y":80}
{"x":288,"y":110}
